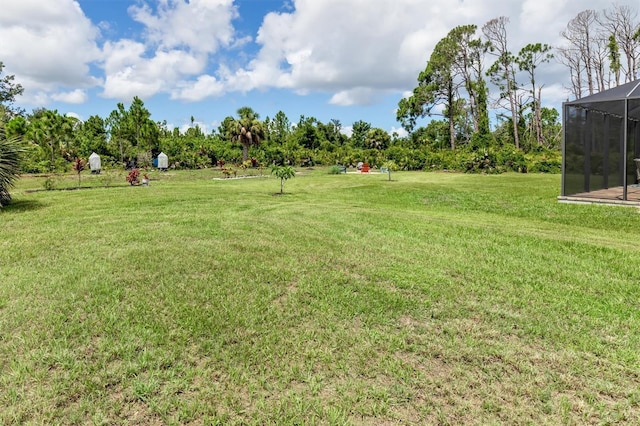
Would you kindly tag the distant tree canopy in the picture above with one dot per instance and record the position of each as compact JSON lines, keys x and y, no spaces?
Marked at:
{"x":454,"y":85}
{"x":9,"y":90}
{"x":246,"y":129}
{"x":130,"y":131}
{"x":478,"y":105}
{"x":454,"y":65}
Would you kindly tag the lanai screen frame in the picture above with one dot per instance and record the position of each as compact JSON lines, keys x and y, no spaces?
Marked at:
{"x":601,"y":139}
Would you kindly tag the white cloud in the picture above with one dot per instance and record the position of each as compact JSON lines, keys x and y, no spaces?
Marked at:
{"x":406,"y":94}
{"x":400,"y":131}
{"x":129,"y":72}
{"x":74,"y":115}
{"x":346,"y":130}
{"x":326,"y":46}
{"x":355,"y":51}
{"x":179,"y":38}
{"x":356,"y":96}
{"x":47,"y":46}
{"x":125,"y":76}
{"x":51,"y":48}
{"x":204,"y":128}
{"x":77,"y":96}
{"x":198,"y":25}
{"x":204,"y":87}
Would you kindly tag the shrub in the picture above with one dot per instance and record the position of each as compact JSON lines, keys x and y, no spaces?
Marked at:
{"x":228,"y":171}
{"x":511,"y":159}
{"x":443,"y":159}
{"x":133,"y":177}
{"x":106,"y":177}
{"x":49,"y":183}
{"x":10,"y":152}
{"x":544,"y":160}
{"x":545,"y":166}
{"x":480,"y":162}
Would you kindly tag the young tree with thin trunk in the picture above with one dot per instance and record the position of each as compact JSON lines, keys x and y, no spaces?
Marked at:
{"x":503,"y":70}
{"x":78,"y":166}
{"x":529,"y":58}
{"x":283,"y":173}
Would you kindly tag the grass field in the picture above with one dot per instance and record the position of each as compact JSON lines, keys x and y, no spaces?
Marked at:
{"x":432,"y":299}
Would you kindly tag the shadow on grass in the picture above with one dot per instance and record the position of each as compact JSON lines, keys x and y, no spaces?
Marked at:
{"x":19,"y":206}
{"x":77,"y":188}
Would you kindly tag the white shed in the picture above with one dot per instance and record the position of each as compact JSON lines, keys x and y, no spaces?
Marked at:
{"x":94,"y":163}
{"x":163,"y":161}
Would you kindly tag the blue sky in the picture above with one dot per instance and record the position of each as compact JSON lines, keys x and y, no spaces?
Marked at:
{"x":331,"y":59}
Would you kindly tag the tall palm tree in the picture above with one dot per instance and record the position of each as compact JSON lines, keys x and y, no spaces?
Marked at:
{"x":10,"y":151}
{"x":248,"y":130}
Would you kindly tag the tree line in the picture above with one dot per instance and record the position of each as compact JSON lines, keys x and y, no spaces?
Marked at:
{"x":128,"y":137}
{"x":601,"y":50}
{"x":477,"y":107}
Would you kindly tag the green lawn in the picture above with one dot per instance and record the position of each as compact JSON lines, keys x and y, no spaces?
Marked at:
{"x":432,"y":299}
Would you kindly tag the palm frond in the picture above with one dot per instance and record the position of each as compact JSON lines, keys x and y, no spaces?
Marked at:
{"x":11,"y":149}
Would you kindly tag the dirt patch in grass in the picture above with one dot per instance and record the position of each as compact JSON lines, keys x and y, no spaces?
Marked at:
{"x":500,"y":378}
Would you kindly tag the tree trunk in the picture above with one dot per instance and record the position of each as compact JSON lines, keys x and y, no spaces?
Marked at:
{"x":53,"y":155}
{"x":514,"y":110}
{"x":538,"y":114}
{"x":451,"y":116}
{"x":245,"y":152}
{"x":496,"y":33}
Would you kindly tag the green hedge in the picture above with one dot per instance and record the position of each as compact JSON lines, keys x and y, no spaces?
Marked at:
{"x":464,"y":159}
